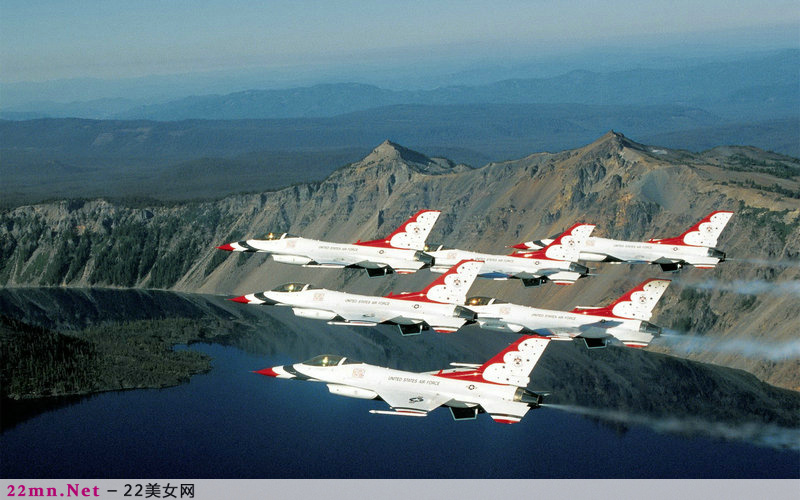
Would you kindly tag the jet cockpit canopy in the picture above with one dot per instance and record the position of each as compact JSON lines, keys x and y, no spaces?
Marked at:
{"x":329,"y":360}
{"x":278,"y":236}
{"x":293,"y":287}
{"x":483,"y":301}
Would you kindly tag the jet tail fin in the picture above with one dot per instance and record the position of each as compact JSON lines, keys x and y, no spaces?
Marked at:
{"x":636,"y":303}
{"x":703,"y":234}
{"x":411,"y":235}
{"x":514,"y":364}
{"x":566,"y":246}
{"x":449,"y":288}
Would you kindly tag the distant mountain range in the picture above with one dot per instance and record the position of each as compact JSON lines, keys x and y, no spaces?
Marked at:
{"x":753,"y":88}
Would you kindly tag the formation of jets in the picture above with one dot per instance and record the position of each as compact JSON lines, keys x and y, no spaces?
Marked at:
{"x":497,"y":387}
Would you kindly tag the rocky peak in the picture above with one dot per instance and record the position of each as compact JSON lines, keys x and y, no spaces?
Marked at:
{"x":615,"y":145}
{"x":388,"y":151}
{"x":391,"y":154}
{"x":615,"y":141}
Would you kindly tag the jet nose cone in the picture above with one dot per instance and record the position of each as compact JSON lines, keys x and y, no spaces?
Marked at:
{"x":241,"y":299}
{"x":281,"y":372}
{"x":226,"y":246}
{"x":269,"y":372}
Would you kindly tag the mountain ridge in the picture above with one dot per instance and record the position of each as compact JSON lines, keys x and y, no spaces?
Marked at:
{"x":751,"y":86}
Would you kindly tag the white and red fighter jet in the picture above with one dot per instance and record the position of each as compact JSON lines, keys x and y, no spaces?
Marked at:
{"x":401,"y":251}
{"x":497,"y":387}
{"x":437,"y":307}
{"x":555,"y":262}
{"x":694,"y":247}
{"x":625,"y":320}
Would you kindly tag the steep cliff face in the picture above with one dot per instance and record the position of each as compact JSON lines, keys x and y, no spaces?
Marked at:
{"x":631,"y":191}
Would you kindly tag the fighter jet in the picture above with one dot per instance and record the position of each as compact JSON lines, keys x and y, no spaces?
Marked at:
{"x":497,"y":387}
{"x":399,"y":252}
{"x":437,"y":306}
{"x":555,"y":262}
{"x":625,"y":320}
{"x":695,"y":247}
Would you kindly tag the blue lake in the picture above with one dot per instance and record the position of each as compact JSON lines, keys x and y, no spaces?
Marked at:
{"x":232,"y":423}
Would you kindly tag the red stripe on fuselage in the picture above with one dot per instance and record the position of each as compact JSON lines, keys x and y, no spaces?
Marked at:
{"x":470,"y":376}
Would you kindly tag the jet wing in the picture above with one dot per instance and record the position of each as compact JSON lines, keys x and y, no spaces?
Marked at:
{"x":593,"y":338}
{"x":377,"y":268}
{"x":666,"y":260}
{"x":591,"y":330}
{"x":524,"y":275}
{"x":542,"y":273}
{"x":369,"y":264}
{"x":548,"y":272}
{"x":374,"y":269}
{"x":420,"y":401}
{"x":372,"y":316}
{"x":602,"y":324}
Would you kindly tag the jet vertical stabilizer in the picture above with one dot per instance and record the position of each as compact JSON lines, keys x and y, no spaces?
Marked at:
{"x":569,"y":244}
{"x":703,"y":234}
{"x":637,"y":303}
{"x":449,"y":288}
{"x":411,"y":235}
{"x":514,"y":364}
{"x":566,"y":247}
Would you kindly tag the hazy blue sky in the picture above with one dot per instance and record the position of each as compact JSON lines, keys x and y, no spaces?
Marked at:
{"x":43,"y":40}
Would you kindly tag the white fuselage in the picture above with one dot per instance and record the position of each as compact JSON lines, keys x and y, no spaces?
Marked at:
{"x":601,"y":249}
{"x":561,"y":324}
{"x":308,"y":252}
{"x":412,"y":391}
{"x":365,"y":309}
{"x":507,"y":266}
